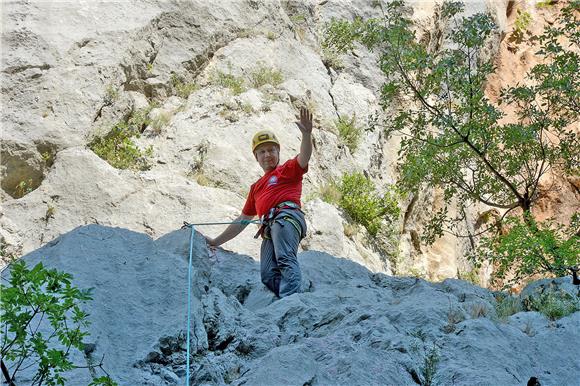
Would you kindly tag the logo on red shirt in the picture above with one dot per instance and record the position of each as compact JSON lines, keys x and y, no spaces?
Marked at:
{"x":272,"y":181}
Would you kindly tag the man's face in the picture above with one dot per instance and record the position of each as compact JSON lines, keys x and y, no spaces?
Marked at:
{"x":267,"y":155}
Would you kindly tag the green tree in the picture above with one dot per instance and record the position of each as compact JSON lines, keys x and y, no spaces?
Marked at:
{"x":35,"y":295}
{"x":453,"y":136}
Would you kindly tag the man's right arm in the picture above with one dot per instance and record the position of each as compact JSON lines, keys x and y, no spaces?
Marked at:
{"x":230,"y":232}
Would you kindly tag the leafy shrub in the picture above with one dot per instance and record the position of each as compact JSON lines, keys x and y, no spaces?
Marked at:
{"x":42,"y":294}
{"x":521,"y":24}
{"x":265,"y":75}
{"x":23,"y":188}
{"x":545,"y":3}
{"x":182,"y":89}
{"x":523,"y":21}
{"x":118,"y":148}
{"x":349,"y":132}
{"x":430,"y":367}
{"x":554,"y":305}
{"x":50,"y":211}
{"x":364,"y":205}
{"x":236,"y":84}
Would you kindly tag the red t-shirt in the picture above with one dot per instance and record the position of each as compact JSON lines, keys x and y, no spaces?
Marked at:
{"x":284,"y":183}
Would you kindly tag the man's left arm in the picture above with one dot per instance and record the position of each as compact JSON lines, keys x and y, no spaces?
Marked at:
{"x":305,"y":126}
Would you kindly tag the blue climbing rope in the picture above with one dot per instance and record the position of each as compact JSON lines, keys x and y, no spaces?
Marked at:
{"x":189,"y":298}
{"x":189,"y":268}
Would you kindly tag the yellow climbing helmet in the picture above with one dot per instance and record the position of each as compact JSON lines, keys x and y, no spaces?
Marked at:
{"x":263,"y":136}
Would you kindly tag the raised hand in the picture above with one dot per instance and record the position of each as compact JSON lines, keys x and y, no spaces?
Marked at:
{"x":305,"y":122}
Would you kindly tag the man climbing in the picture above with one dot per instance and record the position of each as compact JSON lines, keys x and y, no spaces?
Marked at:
{"x":275,"y":198}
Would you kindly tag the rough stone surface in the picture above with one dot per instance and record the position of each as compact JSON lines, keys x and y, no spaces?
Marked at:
{"x":350,"y":326}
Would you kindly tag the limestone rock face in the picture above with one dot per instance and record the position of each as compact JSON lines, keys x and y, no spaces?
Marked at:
{"x":350,"y":326}
{"x":71,"y":70}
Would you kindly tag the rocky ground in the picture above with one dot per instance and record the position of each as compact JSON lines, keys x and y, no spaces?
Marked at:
{"x":350,"y":326}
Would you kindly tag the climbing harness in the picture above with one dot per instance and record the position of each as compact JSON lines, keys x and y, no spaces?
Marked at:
{"x":268,"y":219}
{"x":191,"y":226}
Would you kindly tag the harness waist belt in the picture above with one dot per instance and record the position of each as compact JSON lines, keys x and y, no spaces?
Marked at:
{"x":289,"y":204}
{"x":272,"y":213}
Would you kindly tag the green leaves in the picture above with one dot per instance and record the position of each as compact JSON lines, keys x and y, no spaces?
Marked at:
{"x":453,"y":137}
{"x":118,"y":148}
{"x":364,"y":205}
{"x":349,"y":132}
{"x":526,"y":248}
{"x":34,"y":295}
{"x":104,"y":381}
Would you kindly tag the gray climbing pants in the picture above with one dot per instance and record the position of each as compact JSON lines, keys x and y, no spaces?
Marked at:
{"x":279,"y":267}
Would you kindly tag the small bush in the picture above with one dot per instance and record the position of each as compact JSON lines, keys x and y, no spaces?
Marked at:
{"x":247,"y":108}
{"x":236,"y":84}
{"x":182,"y":89}
{"x":523,"y":21}
{"x":521,"y":24}
{"x":554,"y":305}
{"x":265,"y":75}
{"x":364,"y":205}
{"x":246,"y":33}
{"x":48,"y":158}
{"x":118,"y":148}
{"x":545,"y":3}
{"x":430,"y":367}
{"x":185,"y":89}
{"x":349,"y":132}
{"x":23,"y":188}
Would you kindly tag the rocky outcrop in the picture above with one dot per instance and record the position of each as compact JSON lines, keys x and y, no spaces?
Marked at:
{"x":350,"y":326}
